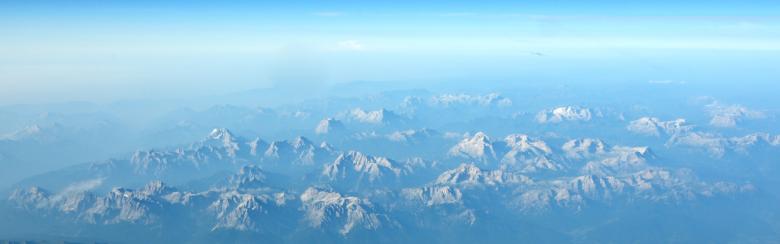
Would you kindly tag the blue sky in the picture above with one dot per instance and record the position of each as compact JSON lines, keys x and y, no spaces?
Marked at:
{"x":105,"y":50}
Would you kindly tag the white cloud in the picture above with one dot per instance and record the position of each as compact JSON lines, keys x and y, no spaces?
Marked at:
{"x":83,"y":186}
{"x":352,"y":45}
{"x":78,"y":187}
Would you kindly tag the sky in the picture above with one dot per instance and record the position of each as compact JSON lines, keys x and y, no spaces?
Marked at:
{"x":55,"y":51}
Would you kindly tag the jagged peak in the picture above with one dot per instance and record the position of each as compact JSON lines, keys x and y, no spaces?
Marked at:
{"x":301,"y":142}
{"x":434,"y":195}
{"x":329,"y":125}
{"x":220,"y":134}
{"x":464,"y":172}
{"x":480,"y":136}
{"x":362,"y":161}
{"x":378,"y":116}
{"x":321,"y":194}
{"x":564,"y":113}
{"x":522,"y":142}
{"x":248,"y":175}
{"x":325,"y":206}
{"x":297,"y":143}
{"x":642,"y":152}
{"x":257,"y":141}
{"x":327,"y":146}
{"x":356,"y":157}
{"x":411,"y":135}
{"x":255,"y":145}
{"x":29,"y":191}
{"x":356,"y":161}
{"x":584,"y":147}
{"x":479,"y":146}
{"x":224,"y":137}
{"x":655,"y":127}
{"x":471,"y":175}
{"x":237,"y":211}
{"x":156,"y":187}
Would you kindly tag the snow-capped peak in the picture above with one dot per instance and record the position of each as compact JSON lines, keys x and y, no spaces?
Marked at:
{"x":221,"y":134}
{"x":227,"y":139}
{"x":324,"y":207}
{"x":301,"y":142}
{"x":300,"y":150}
{"x":379,"y":116}
{"x":471,"y":175}
{"x":356,"y":164}
{"x":655,"y":127}
{"x":329,"y":125}
{"x":491,"y":99}
{"x":581,"y":148}
{"x":731,"y":115}
{"x":523,"y":143}
{"x":327,"y":146}
{"x":156,"y":188}
{"x":477,"y":147}
{"x":566,"y":113}
{"x":412,"y":135}
{"x":530,"y":154}
{"x":37,"y":132}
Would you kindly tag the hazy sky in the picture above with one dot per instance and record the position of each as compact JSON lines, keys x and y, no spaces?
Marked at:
{"x":54,"y":51}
